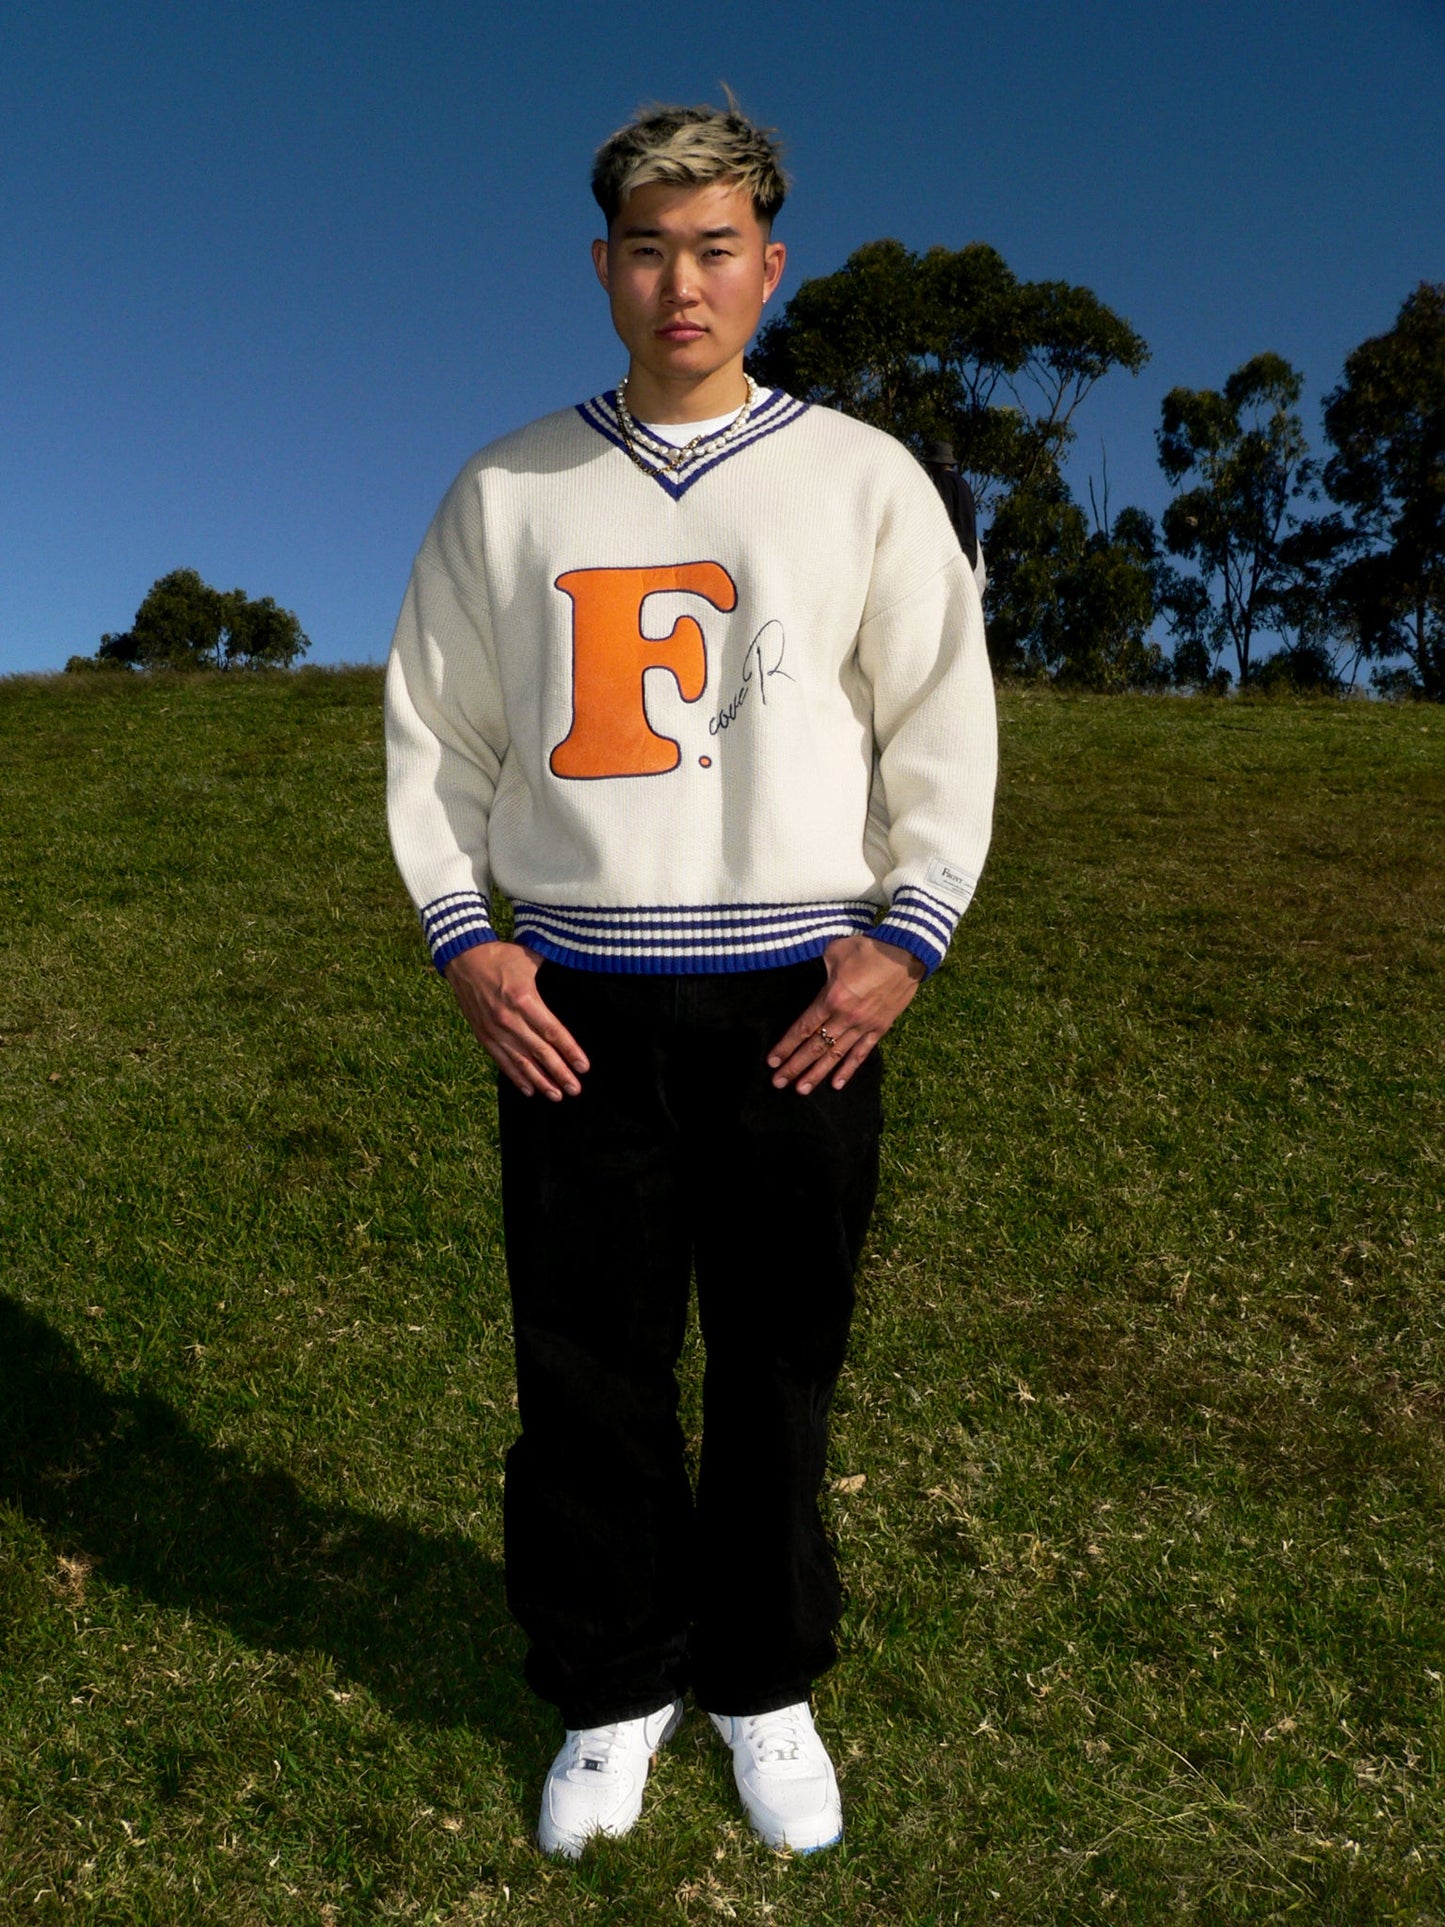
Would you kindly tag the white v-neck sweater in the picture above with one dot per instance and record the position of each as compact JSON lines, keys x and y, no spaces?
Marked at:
{"x":695,"y":722}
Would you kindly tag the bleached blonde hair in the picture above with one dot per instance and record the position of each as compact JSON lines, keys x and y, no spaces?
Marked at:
{"x":690,"y":147}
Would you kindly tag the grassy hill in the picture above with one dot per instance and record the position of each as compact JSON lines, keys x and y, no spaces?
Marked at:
{"x":1138,"y":1464}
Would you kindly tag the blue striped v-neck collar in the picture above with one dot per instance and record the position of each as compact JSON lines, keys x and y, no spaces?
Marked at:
{"x":776,"y":412}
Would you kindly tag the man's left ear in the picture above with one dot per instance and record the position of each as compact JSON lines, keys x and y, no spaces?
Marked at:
{"x":773,"y":263}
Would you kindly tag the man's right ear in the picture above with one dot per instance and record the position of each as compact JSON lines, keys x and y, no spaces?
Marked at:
{"x":599,"y":262}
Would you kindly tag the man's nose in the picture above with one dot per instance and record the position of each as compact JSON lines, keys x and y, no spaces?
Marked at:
{"x":679,"y":284}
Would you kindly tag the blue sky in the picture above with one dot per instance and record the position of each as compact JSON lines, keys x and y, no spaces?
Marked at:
{"x":268,"y":274}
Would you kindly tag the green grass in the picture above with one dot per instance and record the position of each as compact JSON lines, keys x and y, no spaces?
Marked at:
{"x":1138,"y":1463}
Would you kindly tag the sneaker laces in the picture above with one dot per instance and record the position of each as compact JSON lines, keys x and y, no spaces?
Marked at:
{"x":775,"y":1736}
{"x":594,"y":1747}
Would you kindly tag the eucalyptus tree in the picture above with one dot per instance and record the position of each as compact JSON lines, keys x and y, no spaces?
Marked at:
{"x":1243,"y":450}
{"x":950,"y":345}
{"x":1072,"y":603}
{"x":1386,"y":423}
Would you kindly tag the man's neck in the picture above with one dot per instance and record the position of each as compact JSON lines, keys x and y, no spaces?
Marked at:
{"x":650,"y":400}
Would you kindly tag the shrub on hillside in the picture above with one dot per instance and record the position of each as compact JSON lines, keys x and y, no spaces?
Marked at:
{"x":184,"y":623}
{"x":1304,"y":669}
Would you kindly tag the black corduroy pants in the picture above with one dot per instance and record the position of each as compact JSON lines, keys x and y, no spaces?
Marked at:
{"x":679,"y":1158}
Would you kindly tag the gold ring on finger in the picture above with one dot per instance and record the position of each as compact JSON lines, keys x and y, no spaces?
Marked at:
{"x":829,"y":1041}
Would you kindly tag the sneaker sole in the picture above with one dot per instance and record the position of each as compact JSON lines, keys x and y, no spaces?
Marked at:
{"x":822,"y":1846}
{"x":784,"y":1845}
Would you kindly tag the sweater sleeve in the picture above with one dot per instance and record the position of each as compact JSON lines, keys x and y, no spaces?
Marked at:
{"x":446,"y":732}
{"x":937,"y":748}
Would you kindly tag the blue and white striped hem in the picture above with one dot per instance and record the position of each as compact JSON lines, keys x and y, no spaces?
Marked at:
{"x":687,"y":939}
{"x":456,"y":923}
{"x":692,"y":939}
{"x":919,"y":923}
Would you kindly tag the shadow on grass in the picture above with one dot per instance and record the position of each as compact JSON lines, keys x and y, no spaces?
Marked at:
{"x":419,"y":1619}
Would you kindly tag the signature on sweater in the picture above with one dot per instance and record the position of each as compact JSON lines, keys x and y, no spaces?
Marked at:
{"x":763,"y":661}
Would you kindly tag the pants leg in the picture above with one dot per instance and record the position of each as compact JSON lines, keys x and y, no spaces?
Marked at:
{"x":679,"y":1151}
{"x":779,"y":1217}
{"x":598,"y":1509}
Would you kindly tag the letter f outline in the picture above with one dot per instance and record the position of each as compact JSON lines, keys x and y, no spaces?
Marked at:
{"x":610,"y":733}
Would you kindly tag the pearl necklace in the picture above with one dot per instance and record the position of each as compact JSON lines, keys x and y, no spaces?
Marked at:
{"x":671,"y":462}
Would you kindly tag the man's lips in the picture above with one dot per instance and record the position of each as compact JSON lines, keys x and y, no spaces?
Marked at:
{"x":681,"y":331}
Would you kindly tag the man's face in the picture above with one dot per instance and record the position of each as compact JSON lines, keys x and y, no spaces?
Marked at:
{"x":687,"y":270}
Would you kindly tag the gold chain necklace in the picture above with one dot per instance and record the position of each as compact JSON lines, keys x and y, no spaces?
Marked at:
{"x":670,"y":464}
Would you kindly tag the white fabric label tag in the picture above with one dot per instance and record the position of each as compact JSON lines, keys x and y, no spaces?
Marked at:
{"x":952,"y":881}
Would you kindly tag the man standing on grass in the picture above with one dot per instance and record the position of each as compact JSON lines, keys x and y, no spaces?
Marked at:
{"x":695,"y":674}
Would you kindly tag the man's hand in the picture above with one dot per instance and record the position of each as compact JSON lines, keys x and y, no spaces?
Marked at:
{"x":496,"y":986}
{"x":870,"y":984}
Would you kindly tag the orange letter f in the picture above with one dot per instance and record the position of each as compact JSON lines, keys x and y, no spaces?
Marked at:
{"x":610,"y":733}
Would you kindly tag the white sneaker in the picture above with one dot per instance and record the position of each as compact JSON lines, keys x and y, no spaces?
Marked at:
{"x":596,"y":1781}
{"x":785,"y":1777}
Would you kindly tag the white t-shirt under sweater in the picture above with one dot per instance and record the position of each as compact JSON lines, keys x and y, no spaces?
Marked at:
{"x":681,"y":433}
{"x":704,"y":719}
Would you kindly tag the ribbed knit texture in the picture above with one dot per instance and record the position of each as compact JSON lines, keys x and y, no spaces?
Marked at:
{"x":801,"y":674}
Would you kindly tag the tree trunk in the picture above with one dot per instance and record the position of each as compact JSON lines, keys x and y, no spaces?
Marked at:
{"x":1241,"y":649}
{"x":1429,"y":658}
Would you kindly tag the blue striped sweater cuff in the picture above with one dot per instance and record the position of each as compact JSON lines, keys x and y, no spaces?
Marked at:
{"x":685,"y":939}
{"x":456,"y":923}
{"x":919,"y":923}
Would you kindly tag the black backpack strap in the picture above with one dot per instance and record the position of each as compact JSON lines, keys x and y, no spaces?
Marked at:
{"x":957,"y":498}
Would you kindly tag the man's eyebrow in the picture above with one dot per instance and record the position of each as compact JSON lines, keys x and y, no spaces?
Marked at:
{"x":705,"y":234}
